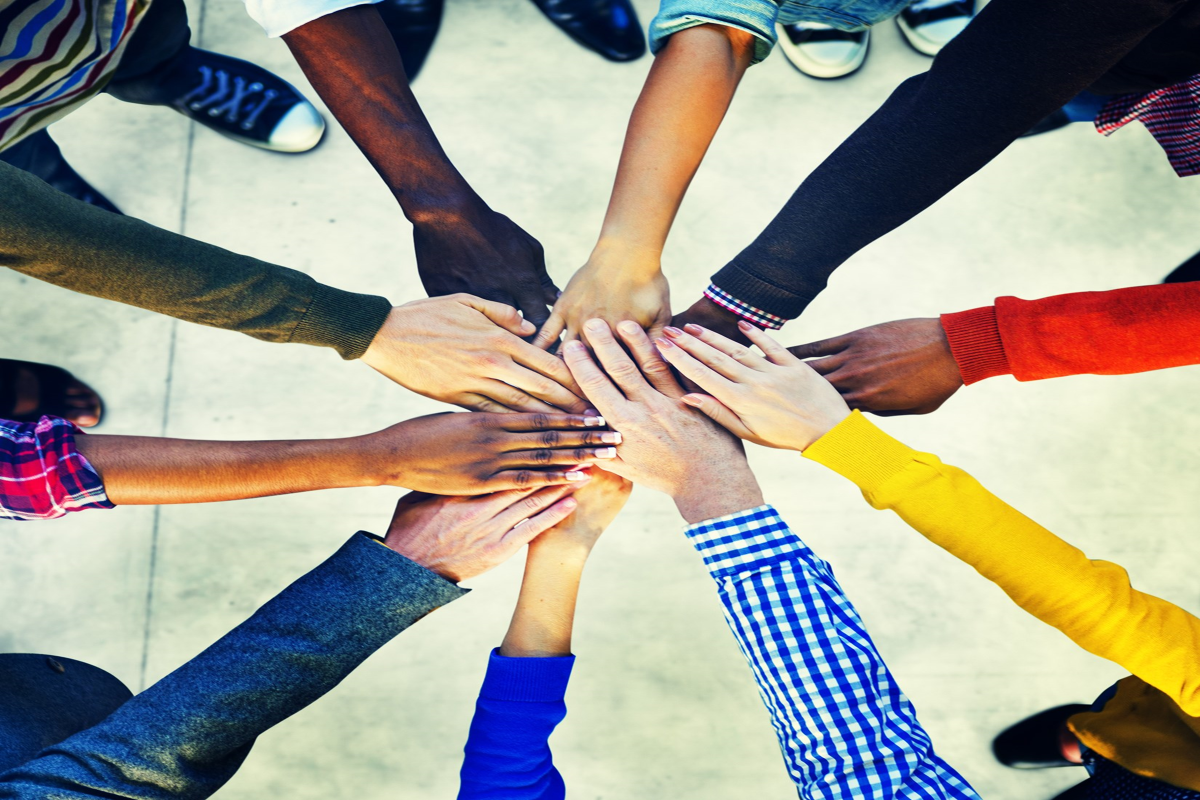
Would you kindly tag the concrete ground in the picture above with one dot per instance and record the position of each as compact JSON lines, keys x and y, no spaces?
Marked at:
{"x":662,"y":705}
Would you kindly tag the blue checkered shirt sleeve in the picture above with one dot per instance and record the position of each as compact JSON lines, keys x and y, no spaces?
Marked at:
{"x":845,"y":728}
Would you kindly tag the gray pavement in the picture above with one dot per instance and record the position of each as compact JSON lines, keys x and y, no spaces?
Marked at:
{"x":662,"y":704}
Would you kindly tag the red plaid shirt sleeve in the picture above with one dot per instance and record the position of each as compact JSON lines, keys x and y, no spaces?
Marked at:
{"x":42,"y":474}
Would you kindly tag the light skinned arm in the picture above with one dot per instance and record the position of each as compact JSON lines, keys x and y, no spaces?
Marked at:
{"x":448,"y":454}
{"x":682,"y":104}
{"x":462,"y":245}
{"x":507,"y":753}
{"x":780,"y":401}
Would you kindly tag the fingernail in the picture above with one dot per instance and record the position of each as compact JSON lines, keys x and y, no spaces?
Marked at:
{"x":664,"y":343}
{"x":692,"y":401}
{"x":746,"y":326}
{"x":578,"y":476}
{"x":569,"y":503}
{"x":629,"y":326}
{"x":606,"y":452}
{"x":594,"y":325}
{"x":610,"y":437}
{"x":591,"y":412}
{"x":593,"y":422}
{"x":528,"y":326}
{"x":672,"y":331}
{"x":574,"y":344}
{"x":693,"y":329}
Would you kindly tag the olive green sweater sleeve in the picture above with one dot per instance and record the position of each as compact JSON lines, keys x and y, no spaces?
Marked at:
{"x":1090,"y":601}
{"x":49,"y":236}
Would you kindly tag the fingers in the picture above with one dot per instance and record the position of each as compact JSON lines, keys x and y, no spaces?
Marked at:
{"x":503,"y":315}
{"x":527,"y":479}
{"x":648,"y":360}
{"x":544,"y":394}
{"x":521,"y":423}
{"x":512,"y":397}
{"x":528,"y":530}
{"x":477,"y":402}
{"x":550,"y":331}
{"x":567,"y":456}
{"x":827,"y":366}
{"x":551,"y":380}
{"x":692,"y":369}
{"x":555,"y":440}
{"x":523,"y":505}
{"x":614,"y":358}
{"x":735,"y":350}
{"x":710,"y":356}
{"x":773,"y":350}
{"x":825,"y":347}
{"x":591,"y":379}
{"x":719,"y":413}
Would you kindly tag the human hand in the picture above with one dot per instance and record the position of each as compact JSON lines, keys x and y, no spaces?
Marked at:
{"x":707,"y":314}
{"x":461,"y":537}
{"x":600,"y":500}
{"x":665,"y":444}
{"x":901,"y":367}
{"x":614,"y":285}
{"x":467,"y":351}
{"x":480,"y":252}
{"x":471,"y":454}
{"x":778,"y":400}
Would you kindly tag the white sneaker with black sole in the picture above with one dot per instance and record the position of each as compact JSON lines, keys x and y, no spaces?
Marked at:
{"x":821,"y":51}
{"x":929,"y":25}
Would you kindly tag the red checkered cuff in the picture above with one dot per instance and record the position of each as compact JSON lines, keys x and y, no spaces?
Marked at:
{"x":746,"y":311}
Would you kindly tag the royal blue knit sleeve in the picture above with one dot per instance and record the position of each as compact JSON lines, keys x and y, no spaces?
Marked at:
{"x":508,"y":751}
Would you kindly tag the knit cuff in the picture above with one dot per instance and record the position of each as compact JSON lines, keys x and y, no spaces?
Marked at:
{"x":861,"y":452}
{"x":975,"y":341}
{"x":345,"y":321}
{"x":751,"y":290}
{"x":528,"y":680}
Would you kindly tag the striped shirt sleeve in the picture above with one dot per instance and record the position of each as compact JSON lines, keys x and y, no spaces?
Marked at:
{"x":42,"y":474}
{"x":845,"y":728}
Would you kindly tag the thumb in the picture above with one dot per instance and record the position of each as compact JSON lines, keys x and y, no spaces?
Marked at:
{"x":503,"y":315}
{"x":719,"y":413}
{"x":551,"y":330}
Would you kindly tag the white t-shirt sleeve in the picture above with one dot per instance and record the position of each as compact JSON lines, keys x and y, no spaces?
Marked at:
{"x":278,"y":17}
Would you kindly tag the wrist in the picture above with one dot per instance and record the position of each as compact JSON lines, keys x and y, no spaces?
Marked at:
{"x":643,"y":261}
{"x":716,"y":495}
{"x":448,"y":205}
{"x":371,"y":461}
{"x":559,"y":555}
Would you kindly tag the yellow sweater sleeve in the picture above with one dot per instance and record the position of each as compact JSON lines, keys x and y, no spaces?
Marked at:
{"x":1091,"y":602}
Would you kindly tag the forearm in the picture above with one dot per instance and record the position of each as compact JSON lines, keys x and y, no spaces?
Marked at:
{"x":1091,"y":602}
{"x":186,"y":735}
{"x":352,"y":61}
{"x":685,"y":97}
{"x":797,"y":629}
{"x":986,"y":88}
{"x":139,"y":470}
{"x":544,"y":617}
{"x":49,"y":236}
{"x":1118,"y":332}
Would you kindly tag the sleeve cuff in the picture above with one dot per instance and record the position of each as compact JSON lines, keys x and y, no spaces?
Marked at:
{"x":279,"y":17}
{"x":767,"y":298}
{"x":756,"y":17}
{"x":394,"y":579}
{"x":861,"y":452}
{"x":743,"y":542}
{"x":345,"y":321}
{"x":974,"y":338}
{"x":527,"y":680}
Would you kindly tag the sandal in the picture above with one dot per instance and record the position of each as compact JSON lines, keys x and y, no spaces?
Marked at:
{"x":59,"y":393}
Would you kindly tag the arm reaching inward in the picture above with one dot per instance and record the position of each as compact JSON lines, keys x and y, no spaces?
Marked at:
{"x":521,"y":701}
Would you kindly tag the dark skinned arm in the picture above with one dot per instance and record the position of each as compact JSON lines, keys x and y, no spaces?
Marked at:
{"x":462,"y":245}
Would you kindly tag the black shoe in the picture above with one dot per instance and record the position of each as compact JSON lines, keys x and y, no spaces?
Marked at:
{"x":414,"y":25}
{"x":1033,"y":743}
{"x":233,"y":97}
{"x":1052,"y":122}
{"x":607,"y":27}
{"x":1186,"y":272}
{"x":929,"y":25}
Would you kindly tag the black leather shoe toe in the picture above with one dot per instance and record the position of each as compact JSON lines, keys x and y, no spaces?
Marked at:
{"x":1033,"y":743}
{"x":414,"y":25}
{"x":607,"y":27}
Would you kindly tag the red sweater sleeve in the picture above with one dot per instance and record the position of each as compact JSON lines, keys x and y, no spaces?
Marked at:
{"x":1138,"y":329}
